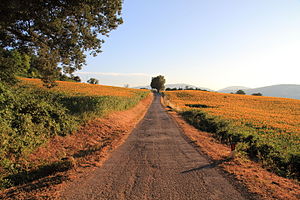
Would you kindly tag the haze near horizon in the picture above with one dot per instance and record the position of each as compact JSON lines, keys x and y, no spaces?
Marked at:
{"x":213,"y":44}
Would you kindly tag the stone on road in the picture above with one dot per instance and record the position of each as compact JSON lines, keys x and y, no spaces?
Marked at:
{"x":155,"y":162}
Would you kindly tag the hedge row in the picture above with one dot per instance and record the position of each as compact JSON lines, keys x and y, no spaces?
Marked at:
{"x":30,"y":116}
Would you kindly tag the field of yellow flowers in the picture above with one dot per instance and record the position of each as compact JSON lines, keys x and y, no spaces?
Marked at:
{"x":89,"y":100}
{"x":74,"y":88}
{"x":278,"y":114}
{"x":267,"y":127}
{"x":30,"y":115}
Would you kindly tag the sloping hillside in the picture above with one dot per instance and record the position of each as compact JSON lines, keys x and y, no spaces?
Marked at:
{"x":31,"y":115}
{"x":283,"y":90}
{"x":286,"y":91}
{"x":233,"y":89}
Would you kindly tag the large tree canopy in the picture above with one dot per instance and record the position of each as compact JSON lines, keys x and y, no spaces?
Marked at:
{"x":57,"y":33}
{"x":158,"y":83}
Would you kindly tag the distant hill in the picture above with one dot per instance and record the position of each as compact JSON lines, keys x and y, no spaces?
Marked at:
{"x":139,"y":87}
{"x":233,"y":89}
{"x":183,"y":86}
{"x":283,"y":90}
{"x":177,"y":85}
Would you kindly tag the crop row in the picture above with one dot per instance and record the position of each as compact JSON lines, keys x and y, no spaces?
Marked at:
{"x":265,"y":128}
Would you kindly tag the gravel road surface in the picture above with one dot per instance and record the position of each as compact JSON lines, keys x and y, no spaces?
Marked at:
{"x":156,"y":162}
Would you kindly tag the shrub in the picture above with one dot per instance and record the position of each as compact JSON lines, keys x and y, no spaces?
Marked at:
{"x":27,"y":119}
{"x":240,"y":92}
{"x":257,"y":94}
{"x":30,"y":116}
{"x":282,"y":162}
{"x":93,"y":81}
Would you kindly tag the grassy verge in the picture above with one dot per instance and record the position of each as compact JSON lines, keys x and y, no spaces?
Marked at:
{"x":30,"y":116}
{"x":281,"y":159}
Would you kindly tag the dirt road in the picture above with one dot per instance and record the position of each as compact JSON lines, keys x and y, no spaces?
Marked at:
{"x":156,"y":162}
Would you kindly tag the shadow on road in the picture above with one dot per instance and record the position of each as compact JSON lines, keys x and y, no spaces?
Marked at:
{"x":26,"y":189}
{"x":211,"y":165}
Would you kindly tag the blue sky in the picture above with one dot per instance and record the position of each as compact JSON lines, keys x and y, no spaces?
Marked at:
{"x":207,"y":43}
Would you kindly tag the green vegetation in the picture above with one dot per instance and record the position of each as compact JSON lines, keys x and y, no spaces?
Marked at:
{"x":48,"y":40}
{"x":29,"y":116}
{"x":158,"y":83}
{"x":93,"y":81}
{"x":257,"y":94}
{"x":12,"y":63}
{"x":275,"y":155}
{"x":56,"y":35}
{"x":240,"y":92}
{"x":186,"y":88}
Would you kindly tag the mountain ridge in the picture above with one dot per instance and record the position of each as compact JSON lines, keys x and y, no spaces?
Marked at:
{"x":234,"y":88}
{"x":281,"y":90}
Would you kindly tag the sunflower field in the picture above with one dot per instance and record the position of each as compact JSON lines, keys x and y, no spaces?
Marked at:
{"x":31,"y":114}
{"x":264,"y":128}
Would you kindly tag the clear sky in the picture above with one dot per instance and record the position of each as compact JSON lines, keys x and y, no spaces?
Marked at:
{"x":206,"y":43}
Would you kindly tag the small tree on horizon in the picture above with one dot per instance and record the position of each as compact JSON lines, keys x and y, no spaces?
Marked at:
{"x":158,"y":83}
{"x":257,"y":94}
{"x":240,"y":92}
{"x":93,"y":81}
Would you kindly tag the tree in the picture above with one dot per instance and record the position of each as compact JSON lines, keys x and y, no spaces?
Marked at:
{"x":11,"y":63}
{"x":72,"y":78}
{"x":57,"y":33}
{"x":158,"y":83}
{"x":240,"y":92}
{"x":93,"y":81}
{"x":257,"y":94}
{"x":76,"y":78}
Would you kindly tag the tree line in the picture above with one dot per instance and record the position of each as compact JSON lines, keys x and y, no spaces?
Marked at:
{"x":243,"y":93}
